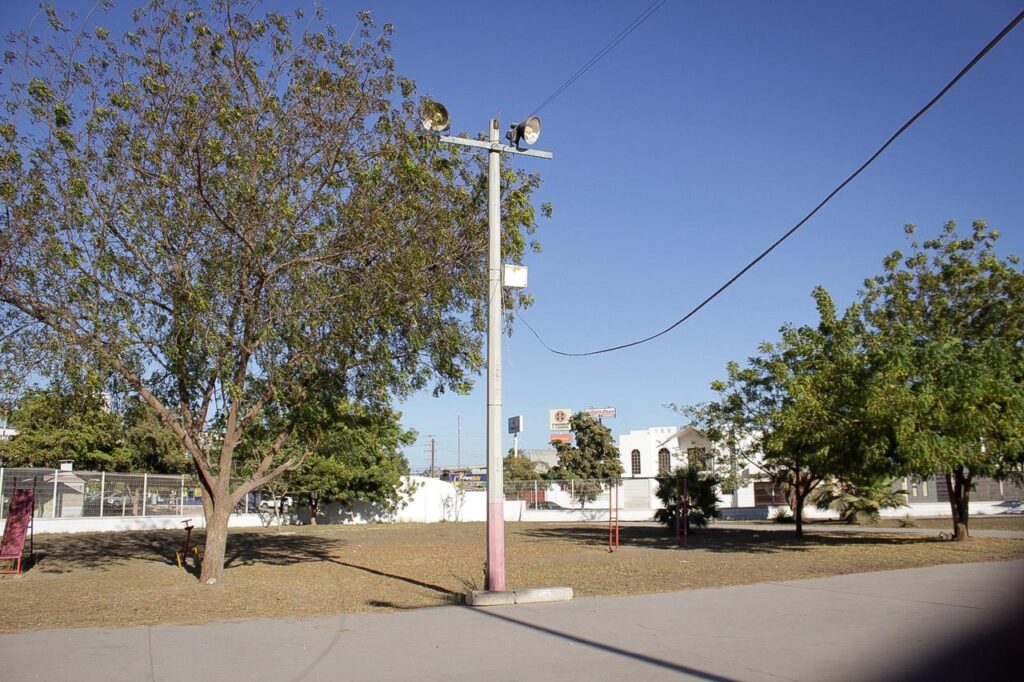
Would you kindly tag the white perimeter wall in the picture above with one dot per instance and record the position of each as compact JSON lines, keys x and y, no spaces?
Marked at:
{"x":434,"y":500}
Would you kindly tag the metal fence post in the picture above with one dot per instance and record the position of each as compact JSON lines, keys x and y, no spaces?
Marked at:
{"x":103,"y":490}
{"x":56,"y":477}
{"x":145,"y":491}
{"x":181,"y":498}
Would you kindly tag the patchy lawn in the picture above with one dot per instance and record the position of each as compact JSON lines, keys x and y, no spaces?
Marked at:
{"x":1002,"y":522}
{"x":122,"y":579}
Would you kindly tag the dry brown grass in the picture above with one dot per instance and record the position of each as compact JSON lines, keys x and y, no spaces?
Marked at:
{"x":1003,"y":522}
{"x":122,"y":579}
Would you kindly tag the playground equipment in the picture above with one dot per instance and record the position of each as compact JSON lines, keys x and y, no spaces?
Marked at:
{"x":20,"y":517}
{"x":613,"y":518}
{"x":182,"y":554}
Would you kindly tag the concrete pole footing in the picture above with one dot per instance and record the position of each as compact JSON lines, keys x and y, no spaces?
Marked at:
{"x":527,"y":595}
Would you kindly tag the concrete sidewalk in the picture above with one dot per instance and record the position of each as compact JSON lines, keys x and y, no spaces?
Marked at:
{"x":869,"y":626}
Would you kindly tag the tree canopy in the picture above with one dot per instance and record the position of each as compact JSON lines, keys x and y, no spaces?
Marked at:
{"x":519,"y":468}
{"x":593,"y":457}
{"x":358,"y":459}
{"x":63,"y":421}
{"x":239,"y":216}
{"x":948,"y":352}
{"x":923,"y":375}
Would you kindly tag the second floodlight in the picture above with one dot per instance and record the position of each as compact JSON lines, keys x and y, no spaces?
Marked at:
{"x":434,"y":117}
{"x":526,"y":131}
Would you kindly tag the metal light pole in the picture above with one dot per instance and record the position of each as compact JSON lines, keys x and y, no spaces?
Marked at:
{"x":435,"y":117}
{"x":495,"y":470}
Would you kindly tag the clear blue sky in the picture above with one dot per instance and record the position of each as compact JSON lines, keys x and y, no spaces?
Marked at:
{"x":688,"y":149}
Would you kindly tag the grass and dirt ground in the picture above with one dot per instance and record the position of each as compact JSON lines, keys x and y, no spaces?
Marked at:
{"x":131,"y":578}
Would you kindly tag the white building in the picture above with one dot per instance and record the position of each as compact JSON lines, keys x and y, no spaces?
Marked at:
{"x":658,"y":450}
{"x":651,"y":452}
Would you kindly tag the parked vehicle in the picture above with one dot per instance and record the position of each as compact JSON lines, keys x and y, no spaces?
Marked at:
{"x":547,"y":504}
{"x":119,"y":498}
{"x":269,"y":502}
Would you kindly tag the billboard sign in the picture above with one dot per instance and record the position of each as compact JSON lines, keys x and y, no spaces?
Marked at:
{"x":561,"y":438}
{"x":559,"y":419}
{"x":515,"y":424}
{"x":601,"y":412}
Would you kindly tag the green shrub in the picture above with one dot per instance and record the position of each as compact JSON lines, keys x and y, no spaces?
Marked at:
{"x":702,"y":500}
{"x":783,"y":515}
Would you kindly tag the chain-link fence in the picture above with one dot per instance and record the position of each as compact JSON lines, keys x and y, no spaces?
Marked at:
{"x":61,"y":494}
{"x":564,"y":494}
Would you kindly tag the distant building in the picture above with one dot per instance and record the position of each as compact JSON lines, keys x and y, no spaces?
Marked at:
{"x":646,"y":453}
{"x":543,"y":458}
{"x":7,"y":433}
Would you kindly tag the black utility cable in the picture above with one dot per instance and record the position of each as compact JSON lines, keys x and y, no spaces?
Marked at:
{"x":644,"y":16}
{"x":789,"y":233}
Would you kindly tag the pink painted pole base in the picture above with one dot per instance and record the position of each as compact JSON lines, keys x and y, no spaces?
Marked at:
{"x":496,"y":546}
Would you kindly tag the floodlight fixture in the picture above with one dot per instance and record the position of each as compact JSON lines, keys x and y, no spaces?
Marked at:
{"x":434,"y":117}
{"x":527,"y":130}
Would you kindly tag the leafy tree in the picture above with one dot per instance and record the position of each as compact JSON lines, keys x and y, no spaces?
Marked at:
{"x":68,"y":420}
{"x":860,"y":501}
{"x":948,"y":320}
{"x":592,"y":459}
{"x":695,"y":486}
{"x":519,"y":468}
{"x":359,"y":459}
{"x":54,"y":424}
{"x":795,"y":411}
{"x":243,"y":221}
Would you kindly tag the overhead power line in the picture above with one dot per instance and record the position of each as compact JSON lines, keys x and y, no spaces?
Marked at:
{"x":963,"y":72}
{"x":623,"y":34}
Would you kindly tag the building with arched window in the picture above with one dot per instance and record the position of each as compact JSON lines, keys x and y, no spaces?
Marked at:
{"x":646,"y":453}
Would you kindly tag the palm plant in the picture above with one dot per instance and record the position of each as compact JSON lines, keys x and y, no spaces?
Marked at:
{"x":700,"y":495}
{"x":860,"y":501}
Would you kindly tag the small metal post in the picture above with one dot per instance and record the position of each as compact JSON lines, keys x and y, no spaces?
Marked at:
{"x":609,"y":520}
{"x":535,"y":494}
{"x":686,"y":511}
{"x":679,"y":509}
{"x":56,"y":476}
{"x":145,"y":491}
{"x":103,"y":490}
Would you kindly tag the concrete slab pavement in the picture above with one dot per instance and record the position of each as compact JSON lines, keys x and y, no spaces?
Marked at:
{"x":868,"y":626}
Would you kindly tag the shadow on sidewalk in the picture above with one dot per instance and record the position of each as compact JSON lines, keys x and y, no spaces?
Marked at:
{"x":618,"y":651}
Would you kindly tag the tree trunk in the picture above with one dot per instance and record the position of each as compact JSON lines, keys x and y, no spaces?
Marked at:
{"x":958,"y":482}
{"x":314,"y":506}
{"x":798,"y":516}
{"x":216,"y":544}
{"x":796,"y":503}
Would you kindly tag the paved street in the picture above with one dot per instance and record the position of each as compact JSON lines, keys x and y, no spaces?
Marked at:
{"x":905,"y":624}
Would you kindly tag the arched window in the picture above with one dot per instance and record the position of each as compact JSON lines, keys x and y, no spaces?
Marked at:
{"x":664,"y":462}
{"x":636,"y":462}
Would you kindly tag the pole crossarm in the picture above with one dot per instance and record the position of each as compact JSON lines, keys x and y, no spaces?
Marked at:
{"x":495,"y":147}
